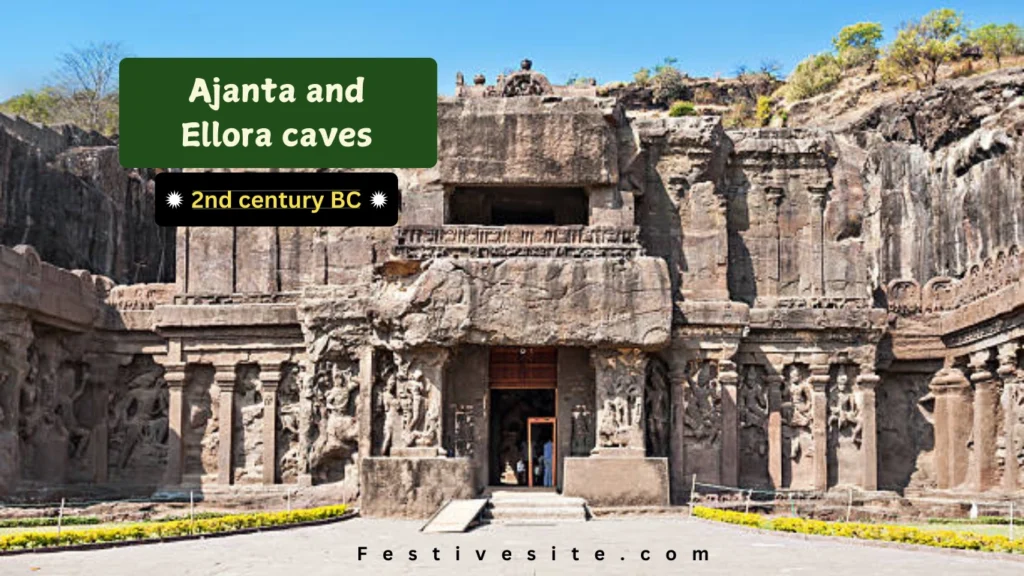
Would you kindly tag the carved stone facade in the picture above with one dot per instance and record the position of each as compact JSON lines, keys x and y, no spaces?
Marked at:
{"x":776,"y":308}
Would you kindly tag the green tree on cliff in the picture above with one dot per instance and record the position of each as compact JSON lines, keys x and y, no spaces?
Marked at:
{"x":84,"y":90}
{"x":921,"y":47}
{"x":998,"y":41}
{"x":857,"y":44}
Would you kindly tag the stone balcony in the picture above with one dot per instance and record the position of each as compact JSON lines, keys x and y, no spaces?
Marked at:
{"x":426,"y":242}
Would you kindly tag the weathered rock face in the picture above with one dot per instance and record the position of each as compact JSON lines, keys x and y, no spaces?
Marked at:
{"x":801,"y":308}
{"x":941,"y":172}
{"x":526,"y":140}
{"x":65,"y":194}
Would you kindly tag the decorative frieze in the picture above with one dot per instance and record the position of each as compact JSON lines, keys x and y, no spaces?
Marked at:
{"x":425,"y":242}
{"x":907,"y":298}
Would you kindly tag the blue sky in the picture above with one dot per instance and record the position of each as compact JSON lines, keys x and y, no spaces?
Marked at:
{"x":608,"y":40}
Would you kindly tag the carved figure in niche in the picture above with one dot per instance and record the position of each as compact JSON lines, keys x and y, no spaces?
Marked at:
{"x":703,"y":414}
{"x":582,"y":440}
{"x":388,"y":409}
{"x":753,"y":411}
{"x":844,"y":412}
{"x":621,"y":412}
{"x":338,"y":428}
{"x":307,"y":398}
{"x":1016,"y":391}
{"x":72,"y":388}
{"x":287,"y":449}
{"x":798,"y":411}
{"x":658,"y":408}
{"x":412,"y":403}
{"x":138,"y":416}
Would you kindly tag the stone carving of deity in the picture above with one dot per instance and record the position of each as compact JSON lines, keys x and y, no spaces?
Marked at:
{"x":753,"y":410}
{"x":844,"y":412}
{"x":799,"y":411}
{"x":582,"y":440}
{"x":658,"y":409}
{"x":703,"y":407}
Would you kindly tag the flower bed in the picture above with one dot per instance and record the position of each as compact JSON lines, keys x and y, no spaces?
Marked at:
{"x":170,"y":529}
{"x":882,"y":532}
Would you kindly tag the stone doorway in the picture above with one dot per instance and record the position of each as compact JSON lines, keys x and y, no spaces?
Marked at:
{"x":517,"y":448}
{"x":522,"y":385}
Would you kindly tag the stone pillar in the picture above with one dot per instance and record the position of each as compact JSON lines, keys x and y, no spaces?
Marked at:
{"x":270,"y":378}
{"x":174,"y":375}
{"x":867,"y":381}
{"x":951,"y":391}
{"x":819,"y":427}
{"x":620,"y":376}
{"x":985,"y":405}
{"x":1012,"y":389}
{"x":730,"y":458}
{"x":771,"y":274}
{"x":775,"y":382}
{"x":819,"y":197}
{"x":225,"y":378}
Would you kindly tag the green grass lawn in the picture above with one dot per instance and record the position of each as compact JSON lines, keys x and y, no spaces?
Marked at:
{"x":986,"y":529}
{"x":5,"y":531}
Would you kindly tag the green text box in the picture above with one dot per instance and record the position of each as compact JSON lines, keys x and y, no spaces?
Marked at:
{"x":395,"y":125}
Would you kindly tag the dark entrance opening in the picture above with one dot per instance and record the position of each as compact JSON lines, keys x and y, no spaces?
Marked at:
{"x":519,"y":418}
{"x":519,"y":206}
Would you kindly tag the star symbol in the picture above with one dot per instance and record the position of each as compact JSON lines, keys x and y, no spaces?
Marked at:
{"x":174,"y":199}
{"x":378,"y":200}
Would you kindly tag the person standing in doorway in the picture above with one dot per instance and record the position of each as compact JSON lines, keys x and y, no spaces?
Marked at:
{"x":549,"y":449}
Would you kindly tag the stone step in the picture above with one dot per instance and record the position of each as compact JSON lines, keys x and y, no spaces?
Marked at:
{"x":524,"y":502}
{"x":534,"y":507}
{"x":560,"y":513}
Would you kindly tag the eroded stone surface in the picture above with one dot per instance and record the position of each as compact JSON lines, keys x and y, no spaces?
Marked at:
{"x":805,"y":308}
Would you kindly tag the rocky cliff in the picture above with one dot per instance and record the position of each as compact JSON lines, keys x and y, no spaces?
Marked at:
{"x":942,"y":173}
{"x":63,"y":191}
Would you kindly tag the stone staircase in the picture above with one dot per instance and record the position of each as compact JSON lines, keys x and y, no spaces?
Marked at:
{"x":534,"y":507}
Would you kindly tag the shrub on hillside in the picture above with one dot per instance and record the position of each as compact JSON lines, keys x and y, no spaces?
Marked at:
{"x":857,"y":44}
{"x":921,"y":47}
{"x":681,"y":108}
{"x":997,"y":42}
{"x":815,"y":75}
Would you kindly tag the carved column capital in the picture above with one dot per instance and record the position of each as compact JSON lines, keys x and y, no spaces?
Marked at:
{"x":270,"y":374}
{"x":948,"y":380}
{"x":174,"y":375}
{"x":1008,"y":358}
{"x":818,"y":195}
{"x":820,"y":377}
{"x":774,"y":195}
{"x":979,"y":364}
{"x":868,"y":380}
{"x":224,"y":376}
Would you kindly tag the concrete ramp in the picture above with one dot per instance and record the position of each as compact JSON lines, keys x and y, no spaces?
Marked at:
{"x":455,"y":516}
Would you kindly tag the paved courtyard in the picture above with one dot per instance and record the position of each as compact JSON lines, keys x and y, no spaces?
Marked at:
{"x":333,"y":550}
